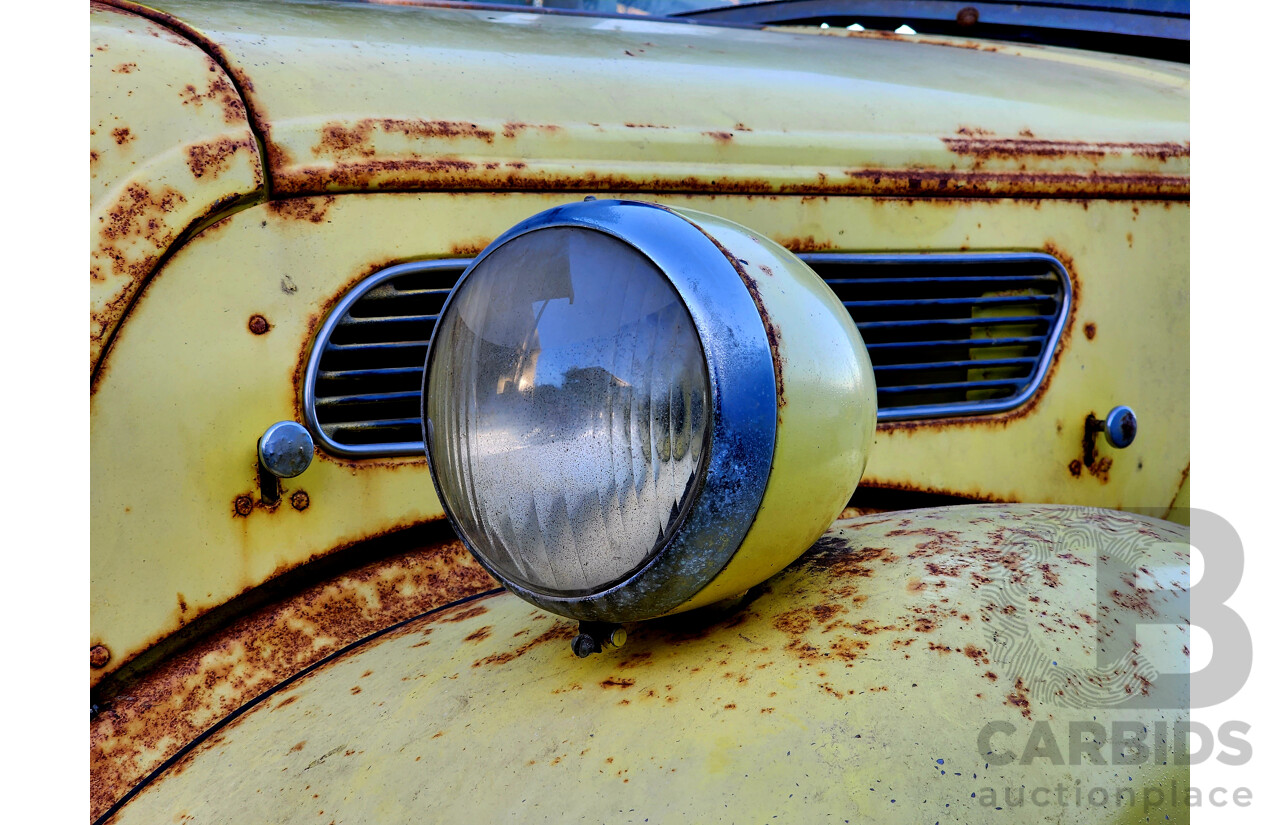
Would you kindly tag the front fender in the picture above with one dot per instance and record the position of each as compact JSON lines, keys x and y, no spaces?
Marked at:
{"x":910,"y":666}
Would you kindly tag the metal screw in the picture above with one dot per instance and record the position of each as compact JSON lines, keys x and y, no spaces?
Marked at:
{"x":967,"y":16}
{"x":244,"y":505}
{"x":286,"y":449}
{"x":1120,"y":427}
{"x":99,"y":656}
{"x":259,"y":325}
{"x":300,"y":500}
{"x":583,"y":646}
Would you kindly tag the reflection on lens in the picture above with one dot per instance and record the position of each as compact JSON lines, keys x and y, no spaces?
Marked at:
{"x":568,"y":410}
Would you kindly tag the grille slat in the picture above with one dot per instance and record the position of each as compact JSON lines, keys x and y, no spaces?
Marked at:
{"x":951,"y":334}
{"x":948,"y":334}
{"x":983,"y":363}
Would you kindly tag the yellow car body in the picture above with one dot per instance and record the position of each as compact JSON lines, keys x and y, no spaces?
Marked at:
{"x":250,"y":163}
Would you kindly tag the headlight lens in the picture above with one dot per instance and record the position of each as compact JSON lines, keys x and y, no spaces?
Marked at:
{"x":568,"y":404}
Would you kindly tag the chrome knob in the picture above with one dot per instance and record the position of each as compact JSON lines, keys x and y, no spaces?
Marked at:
{"x":1120,"y":427}
{"x":286,"y":449}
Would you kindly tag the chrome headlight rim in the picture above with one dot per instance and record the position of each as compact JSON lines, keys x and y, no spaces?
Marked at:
{"x":743,"y":408}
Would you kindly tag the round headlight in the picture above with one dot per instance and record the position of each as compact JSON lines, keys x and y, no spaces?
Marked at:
{"x":610,"y":404}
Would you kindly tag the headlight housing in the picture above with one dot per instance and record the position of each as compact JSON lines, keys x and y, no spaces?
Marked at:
{"x":616,"y":421}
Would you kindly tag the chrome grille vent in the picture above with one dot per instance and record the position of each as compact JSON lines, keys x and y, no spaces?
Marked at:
{"x":363,"y":388}
{"x":948,"y":334}
{"x":952,"y":334}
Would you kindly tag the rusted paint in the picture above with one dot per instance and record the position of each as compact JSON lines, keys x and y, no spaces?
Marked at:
{"x":259,"y":325}
{"x":220,"y":91}
{"x":300,"y":500}
{"x":342,"y":140}
{"x":146,"y":722}
{"x":1090,"y":330}
{"x":1021,"y":147}
{"x":214,"y":157}
{"x":469,"y":249}
{"x":156,"y":203}
{"x":510,"y":130}
{"x":312,"y":210}
{"x":99,"y":655}
{"x":460,"y":174}
{"x":720,"y":137}
{"x":806,"y":244}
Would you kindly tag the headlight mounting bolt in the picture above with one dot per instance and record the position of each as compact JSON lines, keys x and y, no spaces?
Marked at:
{"x":597,"y":637}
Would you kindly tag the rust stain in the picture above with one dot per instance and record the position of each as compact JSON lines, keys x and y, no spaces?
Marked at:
{"x":146,"y":722}
{"x":469,"y":249}
{"x":462,"y":613}
{"x":214,"y":157}
{"x":771,"y":330}
{"x":353,"y":167}
{"x":1090,"y":330}
{"x":806,"y":244}
{"x":479,"y":635}
{"x":1101,"y":469}
{"x":99,"y":655}
{"x":221,"y":92}
{"x":122,"y":135}
{"x":1075,"y":467}
{"x":977,"y":143}
{"x":312,"y":210}
{"x":259,"y":325}
{"x":134,"y":229}
{"x":300,"y":500}
{"x":510,"y":130}
{"x":356,"y":140}
{"x":618,"y":682}
{"x":126,"y":68}
{"x":1020,"y":698}
{"x":561,"y":631}
{"x":720,"y":137}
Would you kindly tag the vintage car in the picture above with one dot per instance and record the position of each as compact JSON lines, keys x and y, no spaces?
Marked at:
{"x":945,"y":263}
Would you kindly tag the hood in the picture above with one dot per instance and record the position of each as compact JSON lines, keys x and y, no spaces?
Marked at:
{"x":352,"y":97}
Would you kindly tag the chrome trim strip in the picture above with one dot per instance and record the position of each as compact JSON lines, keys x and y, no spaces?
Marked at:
{"x":338,"y":312}
{"x":1047,"y":354}
{"x":743,"y":406}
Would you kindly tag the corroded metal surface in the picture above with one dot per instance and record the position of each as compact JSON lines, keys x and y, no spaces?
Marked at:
{"x":144,"y":724}
{"x":193,"y":492}
{"x":854,"y":685}
{"x":874,"y":115}
{"x":169,"y":145}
